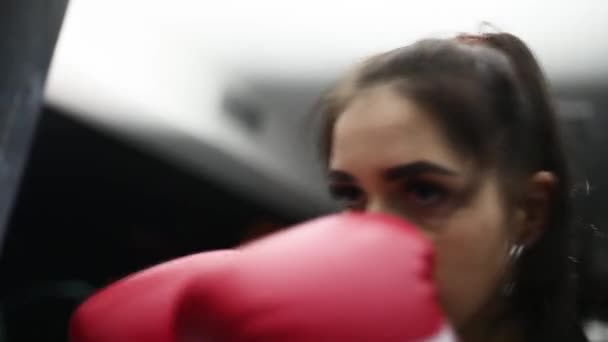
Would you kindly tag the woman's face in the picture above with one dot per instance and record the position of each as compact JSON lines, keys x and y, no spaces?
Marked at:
{"x":389,"y":156}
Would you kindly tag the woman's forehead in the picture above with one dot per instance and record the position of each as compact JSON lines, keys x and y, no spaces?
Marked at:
{"x":381,"y":128}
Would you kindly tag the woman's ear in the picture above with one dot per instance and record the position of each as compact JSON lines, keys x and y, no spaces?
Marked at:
{"x":535,"y":209}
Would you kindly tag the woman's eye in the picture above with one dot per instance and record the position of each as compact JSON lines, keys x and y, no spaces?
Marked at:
{"x":350,"y":197}
{"x":425,"y":194}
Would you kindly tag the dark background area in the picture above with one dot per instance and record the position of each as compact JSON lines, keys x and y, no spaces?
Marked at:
{"x":587,"y":141}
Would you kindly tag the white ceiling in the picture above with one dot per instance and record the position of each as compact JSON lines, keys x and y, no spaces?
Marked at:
{"x":285,"y":37}
{"x":295,"y":38}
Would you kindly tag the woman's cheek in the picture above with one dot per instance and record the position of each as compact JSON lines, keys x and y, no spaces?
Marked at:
{"x":450,"y":276}
{"x":466,"y":270}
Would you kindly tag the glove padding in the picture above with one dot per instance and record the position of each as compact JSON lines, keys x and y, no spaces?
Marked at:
{"x":347,"y":277}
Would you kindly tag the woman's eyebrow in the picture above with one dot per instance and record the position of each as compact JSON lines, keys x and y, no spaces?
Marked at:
{"x":415,"y":169}
{"x":340,"y":177}
{"x":397,"y":172}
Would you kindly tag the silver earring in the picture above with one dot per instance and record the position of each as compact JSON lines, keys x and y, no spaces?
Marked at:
{"x":514,"y":253}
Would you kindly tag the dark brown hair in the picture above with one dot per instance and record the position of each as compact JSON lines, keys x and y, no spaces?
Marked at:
{"x":489,"y":96}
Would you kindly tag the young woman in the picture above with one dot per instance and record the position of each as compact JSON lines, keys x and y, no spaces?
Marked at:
{"x":460,"y":137}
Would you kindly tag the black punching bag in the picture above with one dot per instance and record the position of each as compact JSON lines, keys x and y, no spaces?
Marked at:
{"x":28,"y":33}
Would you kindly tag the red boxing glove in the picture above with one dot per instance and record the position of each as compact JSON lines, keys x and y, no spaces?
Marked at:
{"x":347,"y":277}
{"x":142,"y":306}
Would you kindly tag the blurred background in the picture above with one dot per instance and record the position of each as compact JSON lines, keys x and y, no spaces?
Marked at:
{"x":175,"y":127}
